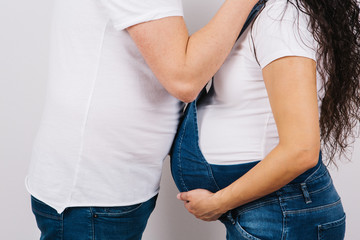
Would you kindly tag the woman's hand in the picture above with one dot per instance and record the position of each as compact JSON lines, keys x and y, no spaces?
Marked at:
{"x":202,"y":204}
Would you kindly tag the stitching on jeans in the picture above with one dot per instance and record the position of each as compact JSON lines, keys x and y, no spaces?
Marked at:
{"x":323,"y":227}
{"x":284,"y":225}
{"x":46,"y":215}
{"x":322,"y":189}
{"x":312,"y":174}
{"x":62,"y":226}
{"x":295,"y":185}
{"x":179,"y":152}
{"x":92,"y":223}
{"x":293,"y":197}
{"x":211,"y":175}
{"x":258,"y":205}
{"x":120,"y":214}
{"x":312,"y":192}
{"x":210,"y":172}
{"x":284,"y":220}
{"x":314,"y":208}
{"x":245,"y":234}
{"x":312,"y":180}
{"x":332,"y":224}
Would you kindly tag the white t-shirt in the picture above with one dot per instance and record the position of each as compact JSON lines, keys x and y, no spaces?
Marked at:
{"x":237,"y":125}
{"x":108,"y":123}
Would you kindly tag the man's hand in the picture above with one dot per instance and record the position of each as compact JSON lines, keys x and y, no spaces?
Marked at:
{"x":202,"y":204}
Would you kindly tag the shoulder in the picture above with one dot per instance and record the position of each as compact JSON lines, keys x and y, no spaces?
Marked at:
{"x":280,"y":14}
{"x":280,"y":30}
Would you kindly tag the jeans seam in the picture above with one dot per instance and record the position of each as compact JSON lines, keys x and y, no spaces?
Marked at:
{"x":119,"y":214}
{"x":211,"y":175}
{"x":284,"y":220}
{"x":322,"y":189}
{"x":293,"y":197}
{"x":313,"y":173}
{"x":332,"y":224}
{"x":62,"y":226}
{"x":92,"y":223}
{"x":46,"y":215}
{"x":314,"y":209}
{"x":258,"y":205}
{"x":284,"y":225}
{"x":321,"y":229}
{"x":317,"y":177}
{"x":242,"y":231}
{"x":179,"y":152}
{"x":310,"y":192}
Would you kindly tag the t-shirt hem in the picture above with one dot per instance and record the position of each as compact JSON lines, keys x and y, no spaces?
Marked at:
{"x":120,"y":24}
{"x":285,"y":53}
{"x":60,"y":208}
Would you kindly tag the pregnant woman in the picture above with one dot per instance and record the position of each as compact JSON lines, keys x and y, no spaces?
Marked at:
{"x":248,"y":151}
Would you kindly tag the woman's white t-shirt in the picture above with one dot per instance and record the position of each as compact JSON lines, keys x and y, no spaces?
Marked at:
{"x":108,"y":123}
{"x":236,"y":125}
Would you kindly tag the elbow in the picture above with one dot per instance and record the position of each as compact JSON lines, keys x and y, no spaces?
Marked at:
{"x":307,"y":157}
{"x":187,"y":96}
{"x":185,"y":92}
{"x":183,"y":84}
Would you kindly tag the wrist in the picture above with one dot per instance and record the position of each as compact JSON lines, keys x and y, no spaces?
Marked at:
{"x":222,"y":203}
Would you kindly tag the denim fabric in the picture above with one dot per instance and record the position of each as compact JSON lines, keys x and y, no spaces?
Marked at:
{"x":93,"y":223}
{"x":307,"y":208}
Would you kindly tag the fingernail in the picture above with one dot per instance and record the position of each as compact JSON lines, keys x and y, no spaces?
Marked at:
{"x":178,"y":196}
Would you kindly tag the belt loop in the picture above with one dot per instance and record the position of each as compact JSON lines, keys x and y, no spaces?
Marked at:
{"x":306,"y":193}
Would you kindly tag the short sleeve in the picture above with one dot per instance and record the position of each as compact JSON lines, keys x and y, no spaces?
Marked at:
{"x":282,"y":30}
{"x":125,"y":13}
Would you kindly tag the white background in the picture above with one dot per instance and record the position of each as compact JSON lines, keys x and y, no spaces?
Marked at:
{"x":24,"y":46}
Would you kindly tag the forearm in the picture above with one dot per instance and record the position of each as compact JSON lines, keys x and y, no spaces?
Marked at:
{"x":208,"y":48}
{"x":280,"y":167}
{"x":297,"y":121}
{"x":185,"y":64}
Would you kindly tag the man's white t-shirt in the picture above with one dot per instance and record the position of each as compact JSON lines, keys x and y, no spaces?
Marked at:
{"x":108,"y":123}
{"x":236,"y":125}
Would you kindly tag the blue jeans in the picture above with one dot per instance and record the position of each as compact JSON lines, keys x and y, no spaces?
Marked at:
{"x":90,"y":223}
{"x":307,"y":208}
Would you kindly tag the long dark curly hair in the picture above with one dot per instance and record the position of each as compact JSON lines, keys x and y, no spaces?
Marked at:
{"x":335,"y":25}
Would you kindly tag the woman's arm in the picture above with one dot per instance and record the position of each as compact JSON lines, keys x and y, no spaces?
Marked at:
{"x":185,"y":64}
{"x":291,"y":86}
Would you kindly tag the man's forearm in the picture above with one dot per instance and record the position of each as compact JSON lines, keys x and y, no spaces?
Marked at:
{"x":208,"y":48}
{"x":185,"y":64}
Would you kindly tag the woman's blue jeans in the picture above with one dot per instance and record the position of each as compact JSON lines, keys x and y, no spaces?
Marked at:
{"x":92,"y":223}
{"x":308,"y":208}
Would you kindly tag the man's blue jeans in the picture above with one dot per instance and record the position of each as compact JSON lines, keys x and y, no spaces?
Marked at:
{"x":93,"y":223}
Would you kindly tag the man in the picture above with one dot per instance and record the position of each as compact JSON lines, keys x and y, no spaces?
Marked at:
{"x":109,"y":119}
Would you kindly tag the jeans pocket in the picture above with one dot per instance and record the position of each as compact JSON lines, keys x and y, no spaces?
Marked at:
{"x":333,"y":230}
{"x":244,"y":233}
{"x":261,"y":220}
